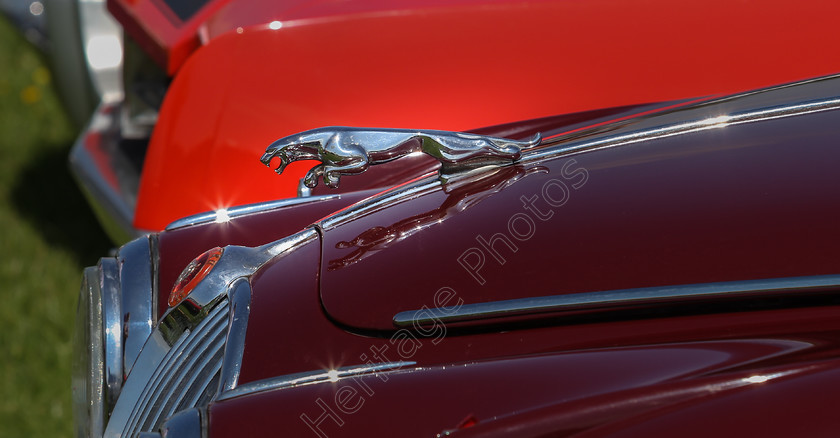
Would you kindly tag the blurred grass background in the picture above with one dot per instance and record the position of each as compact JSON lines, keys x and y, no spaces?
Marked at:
{"x":47,"y":235}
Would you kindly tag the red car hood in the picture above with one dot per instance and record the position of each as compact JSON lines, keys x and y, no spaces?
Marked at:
{"x":712,"y":204}
{"x":436,"y":65}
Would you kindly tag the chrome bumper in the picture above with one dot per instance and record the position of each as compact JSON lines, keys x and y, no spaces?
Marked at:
{"x":107,"y":168}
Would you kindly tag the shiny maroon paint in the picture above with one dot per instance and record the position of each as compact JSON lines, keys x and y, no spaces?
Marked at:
{"x":755,"y":200}
{"x":726,"y":405}
{"x":289,"y":333}
{"x":180,"y":246}
{"x":749,"y":201}
{"x":565,"y":366}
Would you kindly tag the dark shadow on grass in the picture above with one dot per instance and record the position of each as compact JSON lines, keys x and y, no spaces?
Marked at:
{"x":46,"y":195}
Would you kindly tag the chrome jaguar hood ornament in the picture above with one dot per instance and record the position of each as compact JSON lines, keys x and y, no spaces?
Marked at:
{"x":350,"y":151}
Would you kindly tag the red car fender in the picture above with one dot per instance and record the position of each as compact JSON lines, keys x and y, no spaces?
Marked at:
{"x":452,"y":68}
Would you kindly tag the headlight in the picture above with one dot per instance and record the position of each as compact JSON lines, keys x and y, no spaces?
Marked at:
{"x":113,"y":321}
{"x":88,"y":387}
{"x":131,"y":377}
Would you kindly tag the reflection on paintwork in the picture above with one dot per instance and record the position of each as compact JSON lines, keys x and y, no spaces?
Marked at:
{"x":460,"y":198}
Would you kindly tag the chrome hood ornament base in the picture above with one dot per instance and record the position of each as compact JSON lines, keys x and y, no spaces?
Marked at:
{"x":350,"y":151}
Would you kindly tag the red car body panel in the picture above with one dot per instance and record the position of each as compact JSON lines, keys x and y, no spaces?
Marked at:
{"x":452,"y":66}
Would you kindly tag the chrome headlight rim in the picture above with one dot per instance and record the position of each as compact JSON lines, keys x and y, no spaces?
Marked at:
{"x":88,"y":358}
{"x":114,"y":318}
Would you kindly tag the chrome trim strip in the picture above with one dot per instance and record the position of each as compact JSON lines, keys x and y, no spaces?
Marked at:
{"x":153,"y":247}
{"x":242,"y":210}
{"x":738,"y":118}
{"x":240,"y":308}
{"x":307,"y":377}
{"x":112,"y":330}
{"x":136,"y":280}
{"x":616,"y":299}
{"x":238,"y":261}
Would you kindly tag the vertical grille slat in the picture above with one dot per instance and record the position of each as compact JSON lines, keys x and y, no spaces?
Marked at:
{"x":186,"y":377}
{"x":184,"y":382}
{"x":199,"y":398}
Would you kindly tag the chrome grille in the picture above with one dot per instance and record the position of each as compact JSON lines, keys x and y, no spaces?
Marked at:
{"x":187,"y":376}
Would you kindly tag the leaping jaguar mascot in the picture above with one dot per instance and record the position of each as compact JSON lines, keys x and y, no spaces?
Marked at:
{"x":350,"y":151}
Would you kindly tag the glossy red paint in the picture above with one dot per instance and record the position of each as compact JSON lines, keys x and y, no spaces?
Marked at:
{"x":453,"y":67}
{"x":166,"y":37}
{"x":746,"y":201}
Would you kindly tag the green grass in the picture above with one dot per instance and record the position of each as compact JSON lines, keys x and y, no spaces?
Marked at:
{"x":47,"y":235}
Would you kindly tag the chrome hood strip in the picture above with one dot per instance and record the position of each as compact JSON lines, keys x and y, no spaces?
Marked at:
{"x":616,"y":299}
{"x":665,"y":131}
{"x":223,"y":215}
{"x":241,"y":261}
{"x":297,"y":379}
{"x":240,"y":310}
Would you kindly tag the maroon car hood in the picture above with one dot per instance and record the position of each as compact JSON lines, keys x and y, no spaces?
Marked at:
{"x":751,"y":200}
{"x":559,"y":394}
